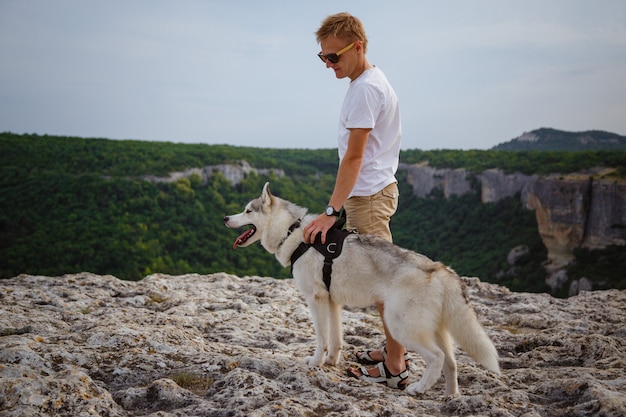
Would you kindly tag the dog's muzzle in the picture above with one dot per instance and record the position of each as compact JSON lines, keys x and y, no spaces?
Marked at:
{"x":243,"y":238}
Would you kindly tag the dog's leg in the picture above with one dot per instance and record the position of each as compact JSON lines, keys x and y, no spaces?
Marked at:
{"x":336,"y":335}
{"x":449,"y":363}
{"x":318,"y":305}
{"x":434,"y":358}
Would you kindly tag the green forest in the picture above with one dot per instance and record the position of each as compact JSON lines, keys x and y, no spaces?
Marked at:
{"x":71,"y":204}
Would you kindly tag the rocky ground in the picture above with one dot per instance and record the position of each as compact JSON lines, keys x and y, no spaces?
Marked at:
{"x":219,"y":345}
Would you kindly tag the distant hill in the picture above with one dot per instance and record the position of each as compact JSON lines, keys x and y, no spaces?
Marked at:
{"x":546,"y":139}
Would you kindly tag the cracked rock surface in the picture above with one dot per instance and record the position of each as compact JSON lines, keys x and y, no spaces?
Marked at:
{"x":220,"y":345}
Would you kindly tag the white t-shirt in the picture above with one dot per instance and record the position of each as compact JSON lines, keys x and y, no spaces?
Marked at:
{"x":371,"y":103}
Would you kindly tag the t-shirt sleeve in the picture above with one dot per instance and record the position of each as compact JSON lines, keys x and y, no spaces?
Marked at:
{"x":363,"y":108}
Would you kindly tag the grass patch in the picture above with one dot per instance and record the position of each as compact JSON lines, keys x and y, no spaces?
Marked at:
{"x":195,"y":383}
{"x":155,"y":298}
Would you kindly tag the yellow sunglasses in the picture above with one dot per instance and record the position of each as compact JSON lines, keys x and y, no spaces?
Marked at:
{"x":334,"y":58}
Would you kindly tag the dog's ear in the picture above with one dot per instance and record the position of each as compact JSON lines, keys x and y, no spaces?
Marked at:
{"x":266,"y":195}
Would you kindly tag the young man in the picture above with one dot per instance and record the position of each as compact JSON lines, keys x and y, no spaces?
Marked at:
{"x":369,"y":148}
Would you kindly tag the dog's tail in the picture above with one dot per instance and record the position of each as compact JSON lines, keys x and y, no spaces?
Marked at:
{"x":468,"y":332}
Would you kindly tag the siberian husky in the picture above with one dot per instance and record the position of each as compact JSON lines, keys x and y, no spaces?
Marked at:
{"x":425,"y":302}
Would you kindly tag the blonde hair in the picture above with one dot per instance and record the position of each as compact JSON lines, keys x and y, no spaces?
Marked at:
{"x":344,"y":26}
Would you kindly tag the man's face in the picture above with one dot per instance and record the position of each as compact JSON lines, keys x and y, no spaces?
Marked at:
{"x":347,"y":60}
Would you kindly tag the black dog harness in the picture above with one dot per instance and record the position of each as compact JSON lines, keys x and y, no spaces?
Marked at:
{"x":331,"y":249}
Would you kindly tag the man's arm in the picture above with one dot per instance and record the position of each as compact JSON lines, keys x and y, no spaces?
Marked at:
{"x":347,"y":175}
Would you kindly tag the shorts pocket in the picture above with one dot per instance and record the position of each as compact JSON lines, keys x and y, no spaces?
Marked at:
{"x":391,"y":191}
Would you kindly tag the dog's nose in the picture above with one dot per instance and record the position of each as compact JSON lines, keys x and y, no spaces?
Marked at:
{"x":226,"y":219}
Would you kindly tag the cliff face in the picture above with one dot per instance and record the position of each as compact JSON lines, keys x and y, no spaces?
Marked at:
{"x":425,"y":179}
{"x":572,"y":211}
{"x":496,"y":185}
{"x":561,"y":210}
{"x":220,"y":345}
{"x":234,"y":173}
{"x":607,"y":214}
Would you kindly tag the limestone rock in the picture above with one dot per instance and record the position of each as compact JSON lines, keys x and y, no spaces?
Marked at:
{"x":607,"y":215}
{"x":577,"y":211}
{"x":516,"y":253}
{"x":220,"y":345}
{"x":585,"y":209}
{"x":234,"y":173}
{"x":496,"y":185}
{"x":425,"y":179}
{"x":583,"y":284}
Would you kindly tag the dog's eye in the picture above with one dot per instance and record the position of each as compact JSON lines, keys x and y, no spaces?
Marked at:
{"x":248,"y":211}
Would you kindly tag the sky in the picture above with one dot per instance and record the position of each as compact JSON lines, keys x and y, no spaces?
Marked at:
{"x":469,"y":74}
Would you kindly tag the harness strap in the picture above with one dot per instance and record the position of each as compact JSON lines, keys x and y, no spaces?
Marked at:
{"x":300,"y":250}
{"x":331,"y":249}
{"x":327,"y":272}
{"x":328,"y":262}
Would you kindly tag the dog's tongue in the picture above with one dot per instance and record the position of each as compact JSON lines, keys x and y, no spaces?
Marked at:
{"x":243,"y":237}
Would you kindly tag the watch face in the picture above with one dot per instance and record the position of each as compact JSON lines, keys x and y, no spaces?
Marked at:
{"x":329,"y":211}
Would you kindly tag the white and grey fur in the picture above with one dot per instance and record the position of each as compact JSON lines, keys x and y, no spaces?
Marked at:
{"x":425,"y":303}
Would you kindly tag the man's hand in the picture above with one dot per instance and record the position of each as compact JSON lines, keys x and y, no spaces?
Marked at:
{"x":321,"y":224}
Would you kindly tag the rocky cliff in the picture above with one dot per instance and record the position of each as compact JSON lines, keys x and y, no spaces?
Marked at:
{"x":234,"y":173}
{"x":586,"y":209}
{"x":576,"y":210}
{"x":220,"y":345}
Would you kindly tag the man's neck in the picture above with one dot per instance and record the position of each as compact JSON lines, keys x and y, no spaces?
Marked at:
{"x":362,"y":68}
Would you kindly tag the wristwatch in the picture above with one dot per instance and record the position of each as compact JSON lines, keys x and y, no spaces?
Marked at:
{"x":330,"y":211}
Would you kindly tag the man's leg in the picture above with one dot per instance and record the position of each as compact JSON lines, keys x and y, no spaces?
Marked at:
{"x":371,"y":215}
{"x":395,"y":351}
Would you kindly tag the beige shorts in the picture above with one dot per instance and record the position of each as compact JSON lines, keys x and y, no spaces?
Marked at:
{"x":371,"y":214}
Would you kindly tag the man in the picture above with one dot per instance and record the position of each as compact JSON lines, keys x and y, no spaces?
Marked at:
{"x":369,"y":148}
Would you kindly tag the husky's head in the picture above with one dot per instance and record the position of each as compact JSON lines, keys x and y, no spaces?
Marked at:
{"x":256,"y":215}
{"x":272,"y":220}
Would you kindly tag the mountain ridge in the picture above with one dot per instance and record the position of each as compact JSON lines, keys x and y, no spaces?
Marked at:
{"x":549,"y":139}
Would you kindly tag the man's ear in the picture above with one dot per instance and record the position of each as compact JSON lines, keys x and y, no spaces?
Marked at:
{"x":358,"y":45}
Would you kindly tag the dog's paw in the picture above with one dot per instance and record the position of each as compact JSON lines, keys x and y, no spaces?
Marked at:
{"x":313,"y":361}
{"x":332,"y":360}
{"x":416,"y":389}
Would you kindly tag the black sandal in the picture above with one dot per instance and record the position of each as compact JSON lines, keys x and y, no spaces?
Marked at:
{"x":385,"y":377}
{"x":364,"y":358}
